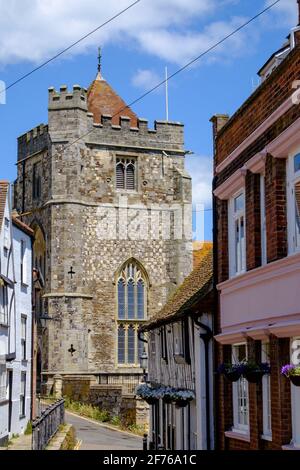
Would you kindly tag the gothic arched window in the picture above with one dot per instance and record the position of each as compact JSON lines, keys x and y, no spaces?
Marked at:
{"x":126,"y":174}
{"x":131,"y":311}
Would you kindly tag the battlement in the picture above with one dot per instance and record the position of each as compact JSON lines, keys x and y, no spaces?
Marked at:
{"x":168,"y":135}
{"x":33,"y":141}
{"x":67,"y":100}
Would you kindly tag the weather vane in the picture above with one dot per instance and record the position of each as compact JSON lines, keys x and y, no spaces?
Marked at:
{"x":99,"y":59}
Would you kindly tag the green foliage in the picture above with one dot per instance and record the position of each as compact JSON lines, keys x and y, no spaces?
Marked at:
{"x":28,"y":429}
{"x":93,"y":412}
{"x":136,"y":429}
{"x":115,"y":421}
{"x":87,"y":410}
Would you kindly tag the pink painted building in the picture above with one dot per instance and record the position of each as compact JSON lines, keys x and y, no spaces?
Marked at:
{"x":257,"y":256}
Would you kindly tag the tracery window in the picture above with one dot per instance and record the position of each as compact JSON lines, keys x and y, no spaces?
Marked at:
{"x":126,"y":173}
{"x":131,"y":311}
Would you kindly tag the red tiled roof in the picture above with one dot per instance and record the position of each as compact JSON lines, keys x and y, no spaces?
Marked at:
{"x":199,"y":249}
{"x":102,"y":99}
{"x":4,"y":185}
{"x":195,"y":287}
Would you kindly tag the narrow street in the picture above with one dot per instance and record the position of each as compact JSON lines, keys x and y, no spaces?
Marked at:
{"x":95,"y":436}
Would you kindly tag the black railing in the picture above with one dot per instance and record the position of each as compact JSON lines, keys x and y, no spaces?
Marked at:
{"x":45,"y":426}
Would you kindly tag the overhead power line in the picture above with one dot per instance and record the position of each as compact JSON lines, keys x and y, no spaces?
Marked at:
{"x":69,"y":47}
{"x":187,"y":65}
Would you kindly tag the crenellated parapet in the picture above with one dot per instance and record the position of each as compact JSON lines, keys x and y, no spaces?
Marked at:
{"x":34,"y":141}
{"x":166,"y":135}
{"x":64,"y":99}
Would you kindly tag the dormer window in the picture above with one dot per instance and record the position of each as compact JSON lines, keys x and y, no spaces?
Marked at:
{"x":126,"y":174}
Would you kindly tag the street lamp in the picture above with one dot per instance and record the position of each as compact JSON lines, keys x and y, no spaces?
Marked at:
{"x":144,"y":364}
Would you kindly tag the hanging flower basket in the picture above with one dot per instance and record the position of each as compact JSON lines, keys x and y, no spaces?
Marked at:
{"x":254,"y":372}
{"x":150,"y":400}
{"x":181,"y":403}
{"x":293,"y":373}
{"x":183,"y":397}
{"x":232,"y":372}
{"x":149,"y":394}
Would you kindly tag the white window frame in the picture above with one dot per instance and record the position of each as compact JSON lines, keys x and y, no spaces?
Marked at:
{"x":292,"y":179}
{"x":3,"y":304}
{"x":23,"y":262}
{"x":295,"y":397}
{"x":23,"y":337}
{"x":233,"y":218}
{"x":6,"y":241}
{"x":3,"y":383}
{"x":266,"y":395}
{"x":178,"y":339}
{"x":263,"y":223}
{"x":23,"y":382}
{"x":238,"y":426}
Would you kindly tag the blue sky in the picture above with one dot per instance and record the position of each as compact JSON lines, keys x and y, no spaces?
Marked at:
{"x":136,"y":49}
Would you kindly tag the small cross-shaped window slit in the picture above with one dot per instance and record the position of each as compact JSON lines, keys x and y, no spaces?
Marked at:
{"x":72,"y":350}
{"x":71,"y":272}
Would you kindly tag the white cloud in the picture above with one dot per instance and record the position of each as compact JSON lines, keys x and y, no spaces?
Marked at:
{"x":284,"y":14}
{"x":146,"y":79}
{"x":200,"y":168}
{"x":33,"y":30}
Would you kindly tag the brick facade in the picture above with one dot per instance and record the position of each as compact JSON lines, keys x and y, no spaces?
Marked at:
{"x":228,"y":135}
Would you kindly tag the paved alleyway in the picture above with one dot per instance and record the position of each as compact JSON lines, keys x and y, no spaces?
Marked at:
{"x":95,"y":436}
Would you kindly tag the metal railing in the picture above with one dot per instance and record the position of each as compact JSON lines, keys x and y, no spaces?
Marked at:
{"x":128,"y":381}
{"x":46,"y":426}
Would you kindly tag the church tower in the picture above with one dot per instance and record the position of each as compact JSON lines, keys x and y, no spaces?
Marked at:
{"x":110,"y":201}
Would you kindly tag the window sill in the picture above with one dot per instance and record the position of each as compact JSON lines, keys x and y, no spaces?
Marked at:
{"x":290,"y":447}
{"x":266,"y":437}
{"x":22,"y":416}
{"x":4,"y":325}
{"x":126,"y":191}
{"x":238,"y":435}
{"x":4,"y":402}
{"x":25,"y":285}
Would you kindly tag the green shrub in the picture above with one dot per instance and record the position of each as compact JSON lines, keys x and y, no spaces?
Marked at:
{"x":116,"y":421}
{"x":28,"y":429}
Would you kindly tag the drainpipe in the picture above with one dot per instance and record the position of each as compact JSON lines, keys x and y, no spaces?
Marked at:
{"x":206,"y":338}
{"x":23,"y":186}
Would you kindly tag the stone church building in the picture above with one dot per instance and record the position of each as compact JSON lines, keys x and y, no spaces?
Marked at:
{"x":110,"y":203}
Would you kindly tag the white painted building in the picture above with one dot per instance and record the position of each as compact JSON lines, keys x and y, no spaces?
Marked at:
{"x":15,"y":320}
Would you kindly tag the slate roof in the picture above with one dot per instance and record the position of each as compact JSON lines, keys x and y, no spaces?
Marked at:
{"x":4,"y":185}
{"x":195,"y":287}
{"x":103,"y":100}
